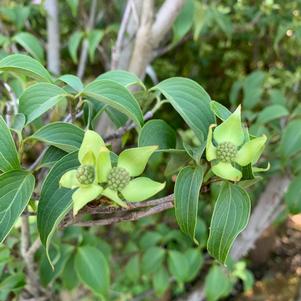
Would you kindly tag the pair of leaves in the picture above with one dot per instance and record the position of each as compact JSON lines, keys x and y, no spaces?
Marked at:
{"x":93,"y":39}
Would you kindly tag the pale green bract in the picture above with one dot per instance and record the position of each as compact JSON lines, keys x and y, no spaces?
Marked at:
{"x":227,"y":145}
{"x":97,"y":177}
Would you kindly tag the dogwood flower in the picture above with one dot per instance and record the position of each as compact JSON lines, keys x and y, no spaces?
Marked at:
{"x":122,"y":181}
{"x":228,"y":145}
{"x":84,"y":178}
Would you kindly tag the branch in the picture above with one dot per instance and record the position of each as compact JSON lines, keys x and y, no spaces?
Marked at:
{"x":53,"y":37}
{"x":143,"y":48}
{"x":84,"y":51}
{"x":165,"y":19}
{"x":134,"y":212}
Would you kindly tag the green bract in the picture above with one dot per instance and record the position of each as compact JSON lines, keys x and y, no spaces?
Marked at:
{"x":228,"y":145}
{"x":118,"y":179}
{"x":85,"y":177}
{"x":96,"y":176}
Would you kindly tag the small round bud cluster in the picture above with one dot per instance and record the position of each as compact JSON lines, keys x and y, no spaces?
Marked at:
{"x":226,"y":152}
{"x":118,"y":178}
{"x":85,"y":174}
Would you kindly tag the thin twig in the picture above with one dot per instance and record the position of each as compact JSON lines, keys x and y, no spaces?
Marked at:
{"x":84,"y":51}
{"x":121,"y":131}
{"x":117,"y":214}
{"x":121,"y":33}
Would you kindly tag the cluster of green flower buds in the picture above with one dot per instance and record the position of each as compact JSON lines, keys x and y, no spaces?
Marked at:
{"x":85,"y":174}
{"x":118,"y":178}
{"x":229,"y":148}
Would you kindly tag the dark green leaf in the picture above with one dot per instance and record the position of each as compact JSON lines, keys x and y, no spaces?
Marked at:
{"x":38,"y":99}
{"x":152,"y":260}
{"x":132,"y":269}
{"x":94,"y":38}
{"x":116,"y":96}
{"x":73,"y":44}
{"x":69,"y":277}
{"x":161,"y":281}
{"x":26,"y":65}
{"x":230,"y":217}
{"x":31,"y":44}
{"x":16,"y":188}
{"x":51,"y":156}
{"x":55,"y":202}
{"x":65,"y":136}
{"x":219,"y":110}
{"x":93,"y":270}
{"x":187,"y":190}
{"x":253,"y":89}
{"x":293,"y":196}
{"x":178,"y":265}
{"x":9,"y":159}
{"x":270,"y":113}
{"x":73,"y":81}
{"x":122,"y":77}
{"x":291,"y":139}
{"x":157,"y":132}
{"x":191,"y":101}
{"x":217,"y":284}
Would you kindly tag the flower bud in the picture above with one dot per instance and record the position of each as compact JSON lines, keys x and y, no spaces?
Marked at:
{"x":118,"y":178}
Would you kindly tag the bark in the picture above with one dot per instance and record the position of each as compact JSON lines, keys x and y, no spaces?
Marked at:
{"x":53,"y":37}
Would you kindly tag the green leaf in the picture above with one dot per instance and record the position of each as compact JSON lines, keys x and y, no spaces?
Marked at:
{"x":16,"y":188}
{"x":253,"y":89}
{"x":73,"y":4}
{"x":73,"y":44}
{"x":31,"y":44}
{"x":9,"y":159}
{"x":187,"y":190}
{"x":92,"y":268}
{"x":291,"y":139}
{"x":73,"y":81}
{"x":47,"y":274}
{"x":271,"y":113}
{"x":178,"y":265}
{"x":217,"y":284}
{"x":219,"y":110}
{"x":157,"y":132}
{"x":51,"y":156}
{"x":184,"y":21}
{"x":38,"y":99}
{"x":293,"y":196}
{"x":94,"y":38}
{"x":26,"y":65}
{"x":69,"y":276}
{"x":55,"y":202}
{"x":152,"y":259}
{"x":195,"y":261}
{"x":161,"y":281}
{"x":132,"y":269}
{"x":65,"y":136}
{"x":122,"y":77}
{"x":191,"y":101}
{"x":230,"y":217}
{"x":116,"y":96}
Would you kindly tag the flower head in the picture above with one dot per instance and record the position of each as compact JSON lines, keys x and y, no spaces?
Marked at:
{"x":84,"y":178}
{"x":229,"y":146}
{"x":97,"y":177}
{"x":122,"y":181}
